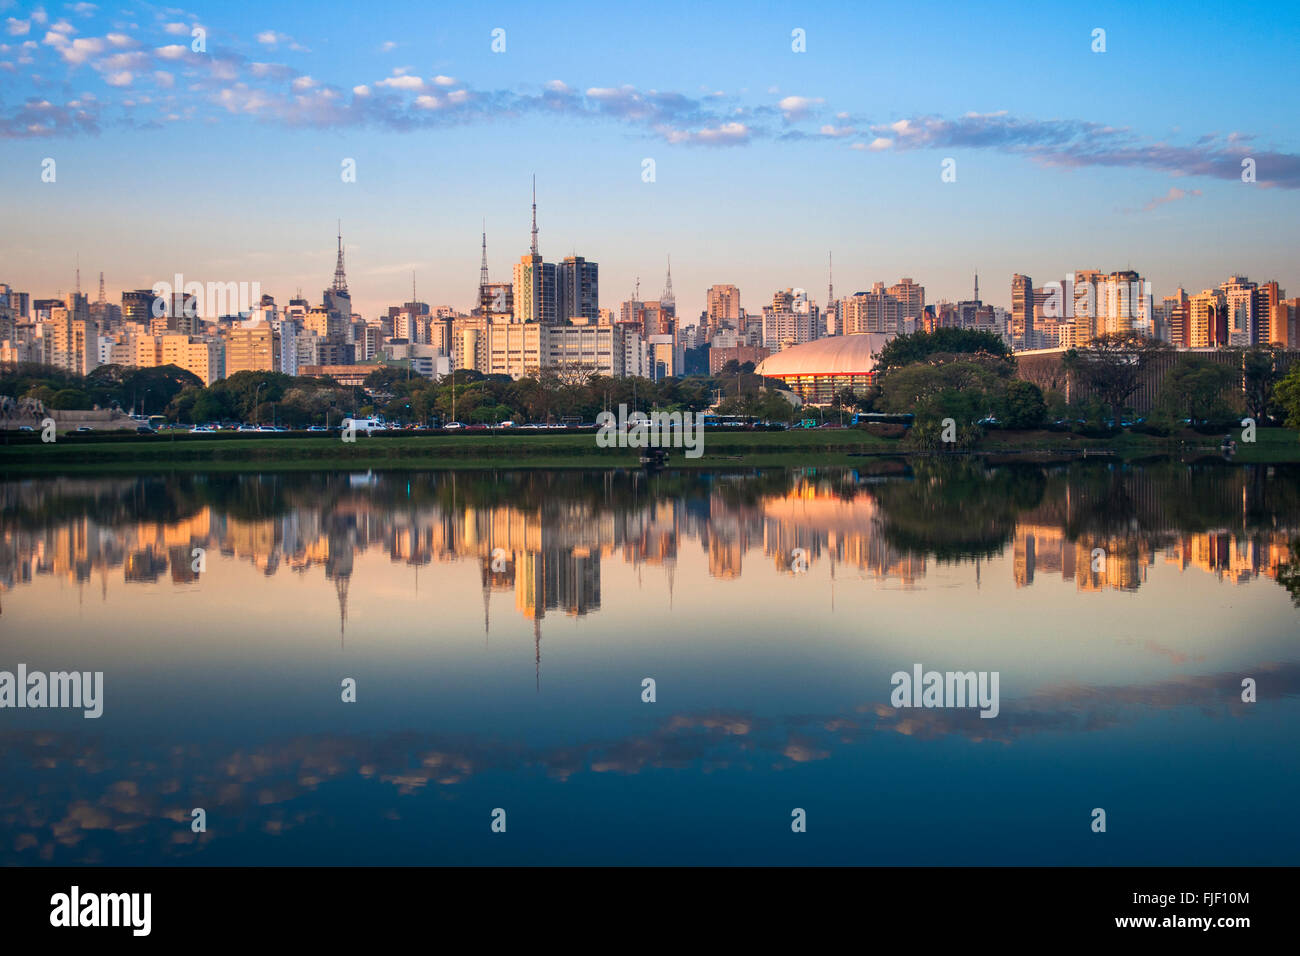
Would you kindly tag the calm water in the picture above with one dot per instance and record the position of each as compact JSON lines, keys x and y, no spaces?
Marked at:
{"x":499,"y":625}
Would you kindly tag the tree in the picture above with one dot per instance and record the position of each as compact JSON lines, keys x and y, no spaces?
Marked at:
{"x":1022,"y":405}
{"x":1112,"y":366}
{"x":1195,"y":388}
{"x":1259,"y":375}
{"x":965,"y":391}
{"x":1287,"y":395}
{"x":915,"y":347}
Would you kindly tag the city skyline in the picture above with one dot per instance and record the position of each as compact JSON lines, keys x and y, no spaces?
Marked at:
{"x":272,"y":107}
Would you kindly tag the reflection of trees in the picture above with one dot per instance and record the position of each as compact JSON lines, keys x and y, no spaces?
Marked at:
{"x":1288,"y":575}
{"x":957,"y":510}
{"x":110,"y":502}
{"x":1157,"y":501}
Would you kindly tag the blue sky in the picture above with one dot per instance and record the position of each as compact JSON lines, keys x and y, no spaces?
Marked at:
{"x":225,"y":164}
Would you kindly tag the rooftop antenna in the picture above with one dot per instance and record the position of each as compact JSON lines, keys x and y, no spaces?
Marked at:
{"x":413,"y":299}
{"x":830,"y":278}
{"x":101,"y":288}
{"x":534,"y":214}
{"x":483,"y":274}
{"x":78,"y":274}
{"x":340,"y":280}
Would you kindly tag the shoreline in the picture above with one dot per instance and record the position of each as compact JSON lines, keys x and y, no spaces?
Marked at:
{"x":24,"y":454}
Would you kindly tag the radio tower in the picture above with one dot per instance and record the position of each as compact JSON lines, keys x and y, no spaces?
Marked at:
{"x":340,"y":280}
{"x":830,"y":279}
{"x":666,"y":297}
{"x":483,"y":279}
{"x":534,"y":214}
{"x":101,"y":288}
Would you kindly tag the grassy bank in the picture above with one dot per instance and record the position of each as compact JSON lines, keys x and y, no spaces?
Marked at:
{"x":87,"y":454}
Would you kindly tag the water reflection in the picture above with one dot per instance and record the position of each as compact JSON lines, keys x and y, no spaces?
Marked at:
{"x":1121,"y":679}
{"x":542,"y":536}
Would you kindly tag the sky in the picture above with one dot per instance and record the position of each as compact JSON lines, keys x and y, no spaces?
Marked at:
{"x":225,"y":163}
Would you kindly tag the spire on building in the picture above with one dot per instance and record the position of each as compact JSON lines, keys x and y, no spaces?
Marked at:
{"x":830,"y":279}
{"x":666,"y":298}
{"x":483,"y":279}
{"x":101,"y":289}
{"x":340,"y":280}
{"x":977,"y":286}
{"x":534,"y":215}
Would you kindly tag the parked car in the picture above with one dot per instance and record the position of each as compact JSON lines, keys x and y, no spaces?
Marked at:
{"x":144,"y":430}
{"x":83,"y":429}
{"x":452,"y":426}
{"x":26,"y":428}
{"x":203,"y":430}
{"x":317,"y":428}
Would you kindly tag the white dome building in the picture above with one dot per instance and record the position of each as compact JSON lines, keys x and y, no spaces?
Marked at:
{"x":817,"y":370}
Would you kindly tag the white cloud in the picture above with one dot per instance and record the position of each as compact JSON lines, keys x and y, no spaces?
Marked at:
{"x":177,"y":29}
{"x":164,"y":79}
{"x":18,"y":28}
{"x":80,"y":50}
{"x":794,"y":107}
{"x":173,"y":51}
{"x":727,"y":134}
{"x":444,"y":80}
{"x":123,"y":78}
{"x":403,"y":83}
{"x":427,"y":102}
{"x":119,"y":40}
{"x":361,"y":90}
{"x":303,"y":83}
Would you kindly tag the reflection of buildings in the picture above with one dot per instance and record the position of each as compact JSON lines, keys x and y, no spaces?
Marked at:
{"x":549,"y":554}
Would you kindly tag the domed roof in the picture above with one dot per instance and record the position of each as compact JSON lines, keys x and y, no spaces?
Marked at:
{"x":834,"y":355}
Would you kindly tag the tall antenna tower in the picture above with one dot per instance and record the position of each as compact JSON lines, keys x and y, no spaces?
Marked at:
{"x":101,"y":288}
{"x":340,"y":284}
{"x":666,"y":298}
{"x":534,"y":214}
{"x":483,"y":279}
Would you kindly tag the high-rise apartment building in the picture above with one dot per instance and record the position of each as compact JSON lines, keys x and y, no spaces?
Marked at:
{"x":579,"y":290}
{"x":255,"y":349}
{"x":1022,"y":312}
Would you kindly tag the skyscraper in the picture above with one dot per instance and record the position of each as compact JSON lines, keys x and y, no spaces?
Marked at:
{"x":1022,"y":312}
{"x":579,"y":290}
{"x":535,"y":282}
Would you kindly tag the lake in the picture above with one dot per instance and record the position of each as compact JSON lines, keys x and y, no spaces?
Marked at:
{"x":497,"y":630}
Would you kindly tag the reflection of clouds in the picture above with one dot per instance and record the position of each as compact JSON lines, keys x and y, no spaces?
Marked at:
{"x":53,"y":811}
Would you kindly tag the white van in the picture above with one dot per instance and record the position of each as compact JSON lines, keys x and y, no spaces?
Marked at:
{"x":366,"y":425}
